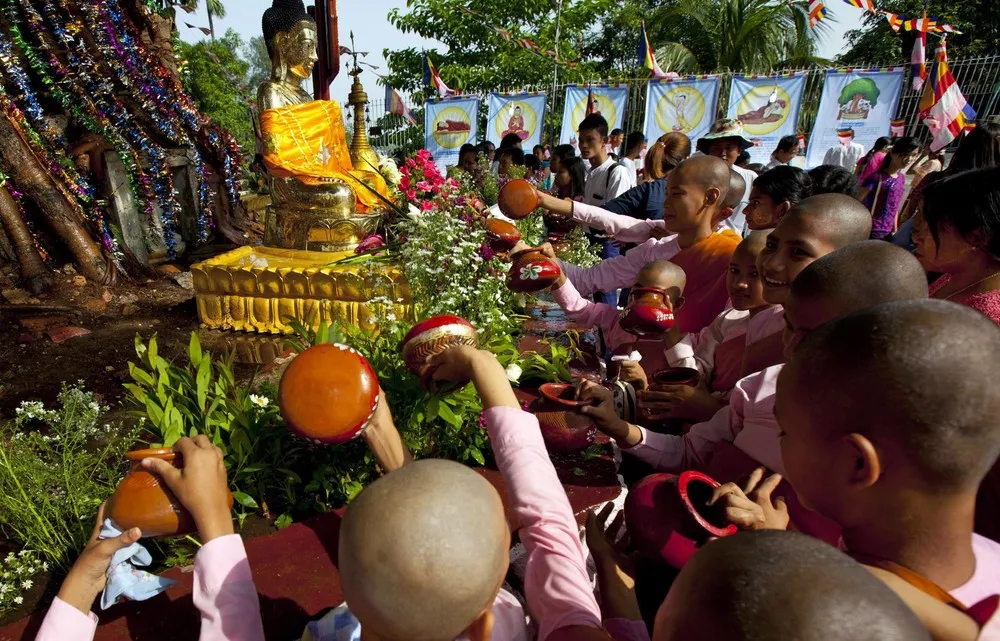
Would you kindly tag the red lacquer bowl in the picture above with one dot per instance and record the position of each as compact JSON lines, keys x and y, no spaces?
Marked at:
{"x":649,"y":313}
{"x":518,"y":199}
{"x":677,"y":376}
{"x":328,"y":394}
{"x":565,"y":432}
{"x":667,"y":516}
{"x":141,"y":501}
{"x":503,"y":236}
{"x":532,"y":271}
{"x":561,"y":394}
{"x":433,"y":336}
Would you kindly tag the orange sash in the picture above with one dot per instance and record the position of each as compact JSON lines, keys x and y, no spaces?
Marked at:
{"x":728,"y":362}
{"x":705,"y":264}
{"x":307,"y":142}
{"x":922,"y":583}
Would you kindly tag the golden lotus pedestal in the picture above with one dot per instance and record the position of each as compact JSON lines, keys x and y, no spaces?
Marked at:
{"x":262,"y":289}
{"x":313,"y":230}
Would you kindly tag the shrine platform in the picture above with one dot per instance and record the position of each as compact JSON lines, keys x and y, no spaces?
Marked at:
{"x":295,"y":570}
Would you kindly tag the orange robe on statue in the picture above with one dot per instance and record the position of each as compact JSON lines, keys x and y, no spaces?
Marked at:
{"x":307,"y":142}
{"x":706,"y":264}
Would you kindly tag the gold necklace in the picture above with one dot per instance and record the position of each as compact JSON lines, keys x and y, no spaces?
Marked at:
{"x":967,"y":287}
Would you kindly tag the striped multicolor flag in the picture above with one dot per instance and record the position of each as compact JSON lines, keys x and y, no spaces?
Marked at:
{"x":817,"y":11}
{"x":943,"y":108}
{"x":895,"y":20}
{"x":867,"y":5}
{"x":918,"y":59}
{"x":396,"y":105}
{"x":646,"y":56}
{"x":431,"y":77}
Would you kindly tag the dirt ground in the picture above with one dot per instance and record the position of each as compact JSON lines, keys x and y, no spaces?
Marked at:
{"x":38,"y":349}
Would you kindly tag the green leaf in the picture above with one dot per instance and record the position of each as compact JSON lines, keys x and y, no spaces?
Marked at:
{"x":152,"y":349}
{"x":448,"y":415}
{"x":204,"y":375}
{"x":194,"y":350}
{"x":477,"y":456}
{"x":283,"y":521}
{"x":245,"y":500}
{"x":140,"y":376}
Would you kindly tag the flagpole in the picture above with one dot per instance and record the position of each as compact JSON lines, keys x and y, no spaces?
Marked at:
{"x":555,"y":64}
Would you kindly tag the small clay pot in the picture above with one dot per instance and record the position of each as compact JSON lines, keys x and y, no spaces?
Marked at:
{"x":502,"y":235}
{"x":648,"y":314}
{"x":532,"y":271}
{"x":565,"y":432}
{"x":677,"y":376}
{"x":141,"y":501}
{"x":561,"y":394}
{"x":667,"y":516}
{"x":518,"y":199}
{"x":328,"y":394}
{"x":433,"y":336}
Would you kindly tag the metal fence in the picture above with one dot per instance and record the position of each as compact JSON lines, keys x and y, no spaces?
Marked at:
{"x":979,"y":79}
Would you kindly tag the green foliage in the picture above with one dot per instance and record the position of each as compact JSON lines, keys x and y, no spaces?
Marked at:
{"x":56,"y":467}
{"x":876,"y":43}
{"x":215,"y":77}
{"x":553,"y":366}
{"x":254,"y":53}
{"x":860,"y":88}
{"x":579,"y":250}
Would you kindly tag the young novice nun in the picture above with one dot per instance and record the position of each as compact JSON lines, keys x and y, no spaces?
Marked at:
{"x":762,"y":586}
{"x":696,"y":194}
{"x":815,"y":227}
{"x":899,"y":471}
{"x":659,"y":274}
{"x":424,"y":550}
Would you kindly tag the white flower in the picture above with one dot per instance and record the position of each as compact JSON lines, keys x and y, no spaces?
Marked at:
{"x":4,"y":588}
{"x":26,"y":585}
{"x":260,"y":401}
{"x":414,"y":212}
{"x":514,"y":372}
{"x":18,"y":600}
{"x":531,"y":273}
{"x":389,"y":170}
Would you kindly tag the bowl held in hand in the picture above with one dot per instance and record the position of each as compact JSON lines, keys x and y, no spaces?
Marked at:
{"x":532,"y":271}
{"x":649,"y":313}
{"x":518,"y":199}
{"x":502,"y":235}
{"x":433,"y":336}
{"x":328,"y":394}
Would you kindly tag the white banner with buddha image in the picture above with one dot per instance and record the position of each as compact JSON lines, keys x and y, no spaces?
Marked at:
{"x":862,"y":100}
{"x":449,"y":124}
{"x":606,"y":100}
{"x":516,"y":113}
{"x":686,"y":105}
{"x":768,"y":107}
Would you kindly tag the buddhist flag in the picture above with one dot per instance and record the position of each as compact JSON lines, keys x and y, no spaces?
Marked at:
{"x":918,"y":59}
{"x":867,"y":5}
{"x":817,"y":11}
{"x":647,"y":58}
{"x":396,"y":105}
{"x":943,"y":108}
{"x":895,"y":20}
{"x":431,"y":76}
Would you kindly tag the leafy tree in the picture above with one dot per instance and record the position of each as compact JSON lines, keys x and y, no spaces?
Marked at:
{"x":857,"y":90}
{"x":735,"y":35}
{"x":255,"y":53}
{"x":480,"y":59}
{"x":214,"y":78}
{"x":876,"y":43}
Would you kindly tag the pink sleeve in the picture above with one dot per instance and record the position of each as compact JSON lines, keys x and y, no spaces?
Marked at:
{"x":626,"y":630}
{"x":556,"y":583}
{"x":585,"y":312}
{"x":618,"y":272}
{"x":623,"y":228}
{"x":669,"y":453}
{"x":63,"y":622}
{"x":224,"y":592}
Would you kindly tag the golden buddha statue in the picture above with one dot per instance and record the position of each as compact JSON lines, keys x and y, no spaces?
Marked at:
{"x":320,"y":201}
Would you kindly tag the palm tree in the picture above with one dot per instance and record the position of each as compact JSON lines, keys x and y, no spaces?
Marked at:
{"x":215,"y":10}
{"x":736,"y":35}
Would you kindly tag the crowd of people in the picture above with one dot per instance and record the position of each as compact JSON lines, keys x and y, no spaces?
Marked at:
{"x":845,"y":401}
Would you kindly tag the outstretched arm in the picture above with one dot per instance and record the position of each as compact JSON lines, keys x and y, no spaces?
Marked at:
{"x":620,"y":227}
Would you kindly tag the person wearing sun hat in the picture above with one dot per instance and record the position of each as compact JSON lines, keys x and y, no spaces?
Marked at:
{"x":726,"y":140}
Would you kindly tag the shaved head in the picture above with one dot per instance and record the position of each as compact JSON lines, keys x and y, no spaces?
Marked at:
{"x":663,"y":274}
{"x":843,"y":219}
{"x":933,"y":364}
{"x":772,"y":585}
{"x":707,"y":171}
{"x":754,"y":242}
{"x":737,"y":188}
{"x":857,"y":276}
{"x":423,"y":552}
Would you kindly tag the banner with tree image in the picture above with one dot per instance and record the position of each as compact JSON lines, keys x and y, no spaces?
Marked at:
{"x":862,"y":100}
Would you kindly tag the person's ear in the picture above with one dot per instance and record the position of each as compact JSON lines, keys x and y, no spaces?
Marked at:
{"x":781,"y":210}
{"x":482,"y":628}
{"x":978,"y":239}
{"x":712,"y":196}
{"x":866,"y":466}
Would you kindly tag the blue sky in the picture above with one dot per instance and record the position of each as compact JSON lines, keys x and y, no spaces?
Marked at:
{"x":373,"y":32}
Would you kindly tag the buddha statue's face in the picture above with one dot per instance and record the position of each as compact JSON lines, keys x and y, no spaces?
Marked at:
{"x":297,"y":49}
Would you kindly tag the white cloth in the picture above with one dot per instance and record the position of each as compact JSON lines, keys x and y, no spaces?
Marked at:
{"x":630,"y":164}
{"x":738,"y":222}
{"x":607,"y":181}
{"x":774,"y":163}
{"x":846,"y":156}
